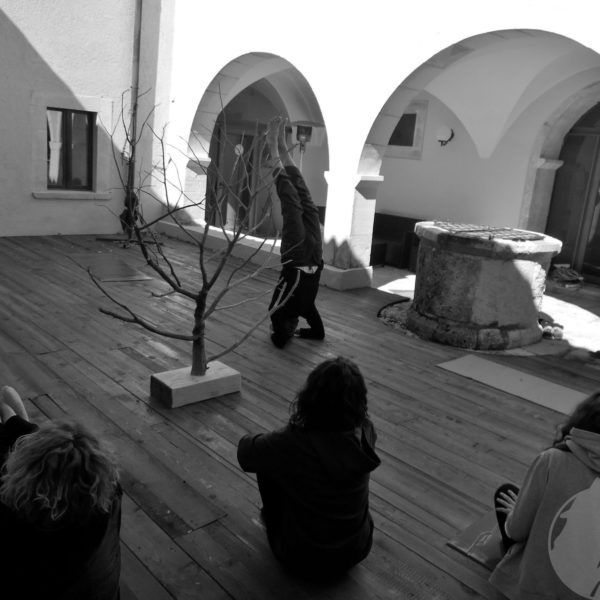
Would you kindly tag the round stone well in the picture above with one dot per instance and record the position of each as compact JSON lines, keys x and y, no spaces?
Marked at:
{"x":479,"y":287}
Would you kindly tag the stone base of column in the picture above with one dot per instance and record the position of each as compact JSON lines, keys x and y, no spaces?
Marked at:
{"x":346,"y":279}
{"x":250,"y":248}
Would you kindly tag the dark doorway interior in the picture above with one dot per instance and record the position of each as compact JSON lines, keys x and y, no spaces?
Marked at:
{"x":574,"y":216}
{"x":237,"y":192}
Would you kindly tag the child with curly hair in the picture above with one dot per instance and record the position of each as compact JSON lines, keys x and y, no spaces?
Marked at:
{"x":60,"y":509}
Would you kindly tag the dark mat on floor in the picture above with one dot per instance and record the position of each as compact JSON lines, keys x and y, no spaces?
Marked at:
{"x":481,"y":541}
{"x":108,"y":267}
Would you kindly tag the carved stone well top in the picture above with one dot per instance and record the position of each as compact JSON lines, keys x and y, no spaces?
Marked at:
{"x":479,"y":287}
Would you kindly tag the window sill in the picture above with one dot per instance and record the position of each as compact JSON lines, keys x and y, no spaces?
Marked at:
{"x":71,"y":195}
{"x":410,"y":152}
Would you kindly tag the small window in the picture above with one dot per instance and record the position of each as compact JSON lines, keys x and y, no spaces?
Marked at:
{"x":404,"y":133}
{"x":407,"y":136}
{"x":70,"y":148}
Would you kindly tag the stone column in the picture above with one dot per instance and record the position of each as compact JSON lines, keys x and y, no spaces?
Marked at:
{"x":349,"y":230}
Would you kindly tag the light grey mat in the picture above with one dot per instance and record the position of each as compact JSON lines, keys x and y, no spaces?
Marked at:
{"x":535,"y":389}
{"x":481,"y":541}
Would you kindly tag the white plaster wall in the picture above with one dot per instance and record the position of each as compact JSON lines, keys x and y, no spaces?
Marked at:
{"x":428,"y":188}
{"x":455,"y":183}
{"x":315,"y":157}
{"x":67,"y":50}
{"x":354,"y":56}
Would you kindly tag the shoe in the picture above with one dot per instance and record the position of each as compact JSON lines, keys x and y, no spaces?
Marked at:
{"x":309,"y":334}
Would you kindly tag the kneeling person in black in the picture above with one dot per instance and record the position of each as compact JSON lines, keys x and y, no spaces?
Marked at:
{"x":301,"y":247}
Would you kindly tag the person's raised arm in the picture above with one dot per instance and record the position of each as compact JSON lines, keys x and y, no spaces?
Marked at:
{"x":273,"y":143}
{"x":285,"y":145}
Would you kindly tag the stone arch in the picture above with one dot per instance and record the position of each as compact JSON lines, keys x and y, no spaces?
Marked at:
{"x":243,"y":72}
{"x":510,"y":95}
{"x":279,"y":85}
{"x":544,"y":158}
{"x":449,"y":76}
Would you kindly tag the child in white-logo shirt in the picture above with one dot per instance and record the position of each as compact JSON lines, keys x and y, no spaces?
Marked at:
{"x":551,"y":527}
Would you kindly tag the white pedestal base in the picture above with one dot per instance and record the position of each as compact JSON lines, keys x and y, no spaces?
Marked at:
{"x":178,"y":387}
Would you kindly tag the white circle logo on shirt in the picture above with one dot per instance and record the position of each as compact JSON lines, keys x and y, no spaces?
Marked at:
{"x":574,"y":542}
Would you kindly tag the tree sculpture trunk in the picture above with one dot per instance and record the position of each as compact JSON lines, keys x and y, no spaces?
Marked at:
{"x":199,"y":365}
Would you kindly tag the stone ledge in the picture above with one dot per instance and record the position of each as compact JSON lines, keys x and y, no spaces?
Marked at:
{"x":346,"y":279}
{"x":71,"y":195}
{"x":495,"y":247}
{"x":250,"y":249}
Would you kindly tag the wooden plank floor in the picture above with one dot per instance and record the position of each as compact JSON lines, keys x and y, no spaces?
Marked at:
{"x":190,"y":516}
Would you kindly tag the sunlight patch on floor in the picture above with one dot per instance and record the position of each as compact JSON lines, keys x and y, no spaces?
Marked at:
{"x":394,"y":281}
{"x":581,"y":327}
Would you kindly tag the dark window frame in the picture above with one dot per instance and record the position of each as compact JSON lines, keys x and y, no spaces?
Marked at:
{"x":405,"y":128}
{"x":66,"y":150}
{"x":414,"y":152}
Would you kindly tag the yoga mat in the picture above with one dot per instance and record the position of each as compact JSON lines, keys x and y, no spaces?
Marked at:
{"x":481,"y":541}
{"x":107,"y":267}
{"x":535,"y":389}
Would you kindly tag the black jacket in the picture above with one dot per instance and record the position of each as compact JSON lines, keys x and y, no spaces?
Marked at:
{"x":324,"y":482}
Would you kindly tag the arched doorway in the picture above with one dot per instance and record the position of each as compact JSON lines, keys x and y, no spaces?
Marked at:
{"x":574,"y":215}
{"x":237,"y":197}
{"x":226,"y":175}
{"x":497,"y":167}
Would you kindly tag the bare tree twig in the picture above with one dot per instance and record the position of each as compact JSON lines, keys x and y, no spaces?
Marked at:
{"x":277,"y":304}
{"x":133,"y":317}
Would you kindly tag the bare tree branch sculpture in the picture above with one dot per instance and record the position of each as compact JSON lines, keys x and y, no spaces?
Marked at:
{"x":239,"y":193}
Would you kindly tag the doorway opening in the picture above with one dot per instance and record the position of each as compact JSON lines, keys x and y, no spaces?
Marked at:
{"x":574,"y":216}
{"x":237,"y":195}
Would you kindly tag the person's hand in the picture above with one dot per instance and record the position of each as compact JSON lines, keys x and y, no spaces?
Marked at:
{"x":272,"y":132}
{"x":506,"y":501}
{"x":272,"y":139}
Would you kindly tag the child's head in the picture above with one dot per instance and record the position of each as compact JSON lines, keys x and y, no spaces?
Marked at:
{"x":585,"y":416}
{"x":60,"y":473}
{"x":334,"y":398}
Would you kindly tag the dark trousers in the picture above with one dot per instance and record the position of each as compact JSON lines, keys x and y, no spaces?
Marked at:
{"x":10,"y":432}
{"x":273,"y":501}
{"x":301,"y":563}
{"x":301,"y":243}
{"x":301,"y":303}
